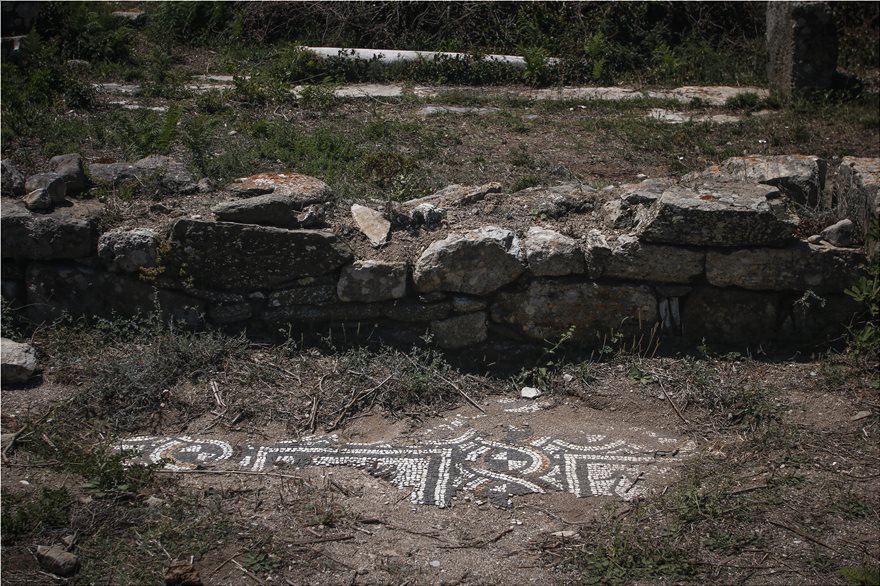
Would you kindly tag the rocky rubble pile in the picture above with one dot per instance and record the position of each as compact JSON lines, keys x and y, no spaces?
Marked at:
{"x":715,"y":256}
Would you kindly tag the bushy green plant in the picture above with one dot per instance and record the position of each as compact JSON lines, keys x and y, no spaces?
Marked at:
{"x":864,"y":340}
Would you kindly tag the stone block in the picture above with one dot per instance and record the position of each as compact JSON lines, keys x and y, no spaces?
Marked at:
{"x":372,"y":280}
{"x":68,"y":232}
{"x":550,"y":254}
{"x":128,"y":251}
{"x":225,"y":255}
{"x":546,"y":310}
{"x":56,"y":290}
{"x":476,"y":262}
{"x":802,"y":47}
{"x":660,"y":263}
{"x":857,"y":195}
{"x":797,"y":267}
{"x":719,"y":214}
{"x":730,"y":316}
{"x":460,"y":331}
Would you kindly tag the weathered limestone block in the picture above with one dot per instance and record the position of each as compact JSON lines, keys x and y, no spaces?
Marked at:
{"x":70,"y":167}
{"x":839,"y":234}
{"x":798,"y":267}
{"x":224,"y":255}
{"x":547,"y":309}
{"x":267,"y":210}
{"x":597,"y":254}
{"x":19,"y":361}
{"x":802,"y":46}
{"x":730,"y":315}
{"x":57,"y":560}
{"x":372,"y":280}
{"x":53,"y":290}
{"x":53,"y":183}
{"x":457,"y":195}
{"x":641,"y":261}
{"x":550,"y":254}
{"x":800,"y":177}
{"x":857,"y":195}
{"x":68,"y":232}
{"x":11,"y":179}
{"x":171,"y":176}
{"x":720,"y":214}
{"x":371,"y":223}
{"x":460,"y":331}
{"x":475,"y":262}
{"x":300,"y":190}
{"x":128,"y":251}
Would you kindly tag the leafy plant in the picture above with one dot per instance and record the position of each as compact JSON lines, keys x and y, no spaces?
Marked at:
{"x":865,"y":340}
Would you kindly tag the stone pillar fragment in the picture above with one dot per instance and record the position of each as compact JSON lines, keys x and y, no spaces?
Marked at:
{"x":802,"y":47}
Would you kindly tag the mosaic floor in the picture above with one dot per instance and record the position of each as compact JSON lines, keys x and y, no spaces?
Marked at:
{"x":438,"y":470}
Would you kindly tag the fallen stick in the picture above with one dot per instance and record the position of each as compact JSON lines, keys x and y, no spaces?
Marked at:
{"x":671,"y":402}
{"x":805,"y":536}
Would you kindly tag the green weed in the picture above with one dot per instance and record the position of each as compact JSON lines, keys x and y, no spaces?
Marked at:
{"x":34,"y":513}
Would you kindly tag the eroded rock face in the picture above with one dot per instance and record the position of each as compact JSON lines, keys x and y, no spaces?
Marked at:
{"x":271,"y":209}
{"x":171,"y":176}
{"x":475,"y":262}
{"x":551,"y":254}
{"x":798,"y":267}
{"x":372,"y":280}
{"x":800,"y":177}
{"x":70,"y":167}
{"x":558,"y":200}
{"x":128,"y":251}
{"x":301,"y":190}
{"x":68,"y":232}
{"x":547,"y":309}
{"x":721,"y":214}
{"x":19,"y":361}
{"x":225,"y":255}
{"x":641,"y":261}
{"x":53,"y":183}
{"x":11,"y":179}
{"x":53,"y":290}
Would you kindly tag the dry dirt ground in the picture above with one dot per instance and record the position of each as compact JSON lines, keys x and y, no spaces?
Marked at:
{"x":770,"y":476}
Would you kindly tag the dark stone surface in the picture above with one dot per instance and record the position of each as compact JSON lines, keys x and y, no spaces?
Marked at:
{"x":68,"y":232}
{"x":224,"y":255}
{"x":802,"y":46}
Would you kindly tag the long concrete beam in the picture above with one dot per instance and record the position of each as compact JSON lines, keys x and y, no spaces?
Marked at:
{"x":393,"y":56}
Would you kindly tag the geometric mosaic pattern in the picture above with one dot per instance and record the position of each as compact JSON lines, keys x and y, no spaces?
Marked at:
{"x":435,"y":470}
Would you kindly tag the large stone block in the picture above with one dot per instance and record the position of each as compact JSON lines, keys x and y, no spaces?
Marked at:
{"x":660,"y":263}
{"x":802,"y":46}
{"x":170,"y":176}
{"x":66,"y":233}
{"x":17,"y":361}
{"x":460,"y":331}
{"x":475,"y":262}
{"x":372,"y":280}
{"x":857,"y":195}
{"x":70,"y":167}
{"x":225,"y":255}
{"x":798,"y":267}
{"x":546,"y":310}
{"x":800,"y":177}
{"x":56,"y":290}
{"x":11,"y":179}
{"x":550,"y":254}
{"x":815,"y":320}
{"x":730,"y":316}
{"x":719,"y":214}
{"x":128,"y":251}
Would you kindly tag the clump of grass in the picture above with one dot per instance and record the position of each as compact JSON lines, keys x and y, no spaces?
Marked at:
{"x":34,"y":513}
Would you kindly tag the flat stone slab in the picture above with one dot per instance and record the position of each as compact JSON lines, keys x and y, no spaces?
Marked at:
{"x":434,"y":110}
{"x":226,"y":255}
{"x":801,"y":177}
{"x":719,"y":214}
{"x":451,"y":460}
{"x":19,"y":361}
{"x":66,"y":233}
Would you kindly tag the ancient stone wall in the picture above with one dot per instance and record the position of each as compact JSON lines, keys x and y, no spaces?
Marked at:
{"x":711,"y":258}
